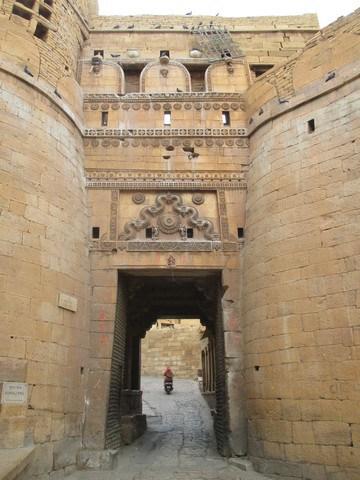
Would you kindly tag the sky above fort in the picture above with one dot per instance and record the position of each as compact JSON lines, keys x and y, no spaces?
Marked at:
{"x":327,"y":10}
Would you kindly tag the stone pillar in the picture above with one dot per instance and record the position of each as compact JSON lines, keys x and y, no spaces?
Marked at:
{"x":234,"y":362}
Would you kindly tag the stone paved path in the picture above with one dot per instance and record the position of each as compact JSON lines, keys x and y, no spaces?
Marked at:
{"x":179,"y":443}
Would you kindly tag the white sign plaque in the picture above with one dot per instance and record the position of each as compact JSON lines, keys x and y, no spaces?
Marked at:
{"x":67,"y":302}
{"x":13,"y":393}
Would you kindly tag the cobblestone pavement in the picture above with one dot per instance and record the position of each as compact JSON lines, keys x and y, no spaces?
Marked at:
{"x":179,"y":443}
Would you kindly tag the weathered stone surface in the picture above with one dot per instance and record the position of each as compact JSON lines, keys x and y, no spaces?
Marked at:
{"x":65,"y":452}
{"x":132,"y":427}
{"x":96,"y":459}
{"x":265,"y":175}
{"x":177,"y":345}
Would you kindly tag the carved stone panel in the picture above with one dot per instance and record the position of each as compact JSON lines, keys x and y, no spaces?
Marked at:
{"x":170,"y":218}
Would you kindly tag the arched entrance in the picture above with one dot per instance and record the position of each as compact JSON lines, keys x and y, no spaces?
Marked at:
{"x":143,"y":297}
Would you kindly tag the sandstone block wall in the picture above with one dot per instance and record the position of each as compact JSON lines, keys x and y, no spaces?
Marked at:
{"x":43,"y":228}
{"x":301,"y":270}
{"x":44,"y":270}
{"x":59,"y":51}
{"x":179,"y":347}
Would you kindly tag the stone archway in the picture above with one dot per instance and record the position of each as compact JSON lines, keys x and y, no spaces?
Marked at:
{"x":144,"y":296}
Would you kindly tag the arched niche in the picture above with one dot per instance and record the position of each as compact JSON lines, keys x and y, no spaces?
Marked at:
{"x":230,"y":76}
{"x":165,"y":75}
{"x":106,"y":77}
{"x":18,"y":46}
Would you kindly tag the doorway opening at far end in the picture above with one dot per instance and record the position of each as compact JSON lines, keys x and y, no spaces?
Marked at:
{"x":173,"y":318}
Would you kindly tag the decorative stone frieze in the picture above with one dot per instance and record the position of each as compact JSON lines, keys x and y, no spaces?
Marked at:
{"x":157,"y":101}
{"x":112,"y":179}
{"x":164,"y":246}
{"x":219,"y":142}
{"x":166,"y":132}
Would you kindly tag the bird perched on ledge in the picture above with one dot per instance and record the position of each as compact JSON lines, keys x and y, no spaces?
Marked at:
{"x":188,"y":13}
{"x":28,"y":71}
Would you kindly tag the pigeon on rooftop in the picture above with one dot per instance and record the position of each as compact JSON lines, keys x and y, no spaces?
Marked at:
{"x":188,"y":13}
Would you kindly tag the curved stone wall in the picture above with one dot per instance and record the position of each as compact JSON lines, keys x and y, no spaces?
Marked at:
{"x":44,"y":276}
{"x":44,"y":271}
{"x":301,"y":293}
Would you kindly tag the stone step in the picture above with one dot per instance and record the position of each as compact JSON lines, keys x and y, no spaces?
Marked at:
{"x":13,"y":461}
{"x":241,"y":462}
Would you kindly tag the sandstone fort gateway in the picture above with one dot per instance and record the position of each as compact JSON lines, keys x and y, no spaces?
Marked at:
{"x":179,"y":167}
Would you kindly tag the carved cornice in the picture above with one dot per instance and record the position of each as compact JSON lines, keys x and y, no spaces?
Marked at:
{"x":162,"y":102}
{"x":122,"y":180}
{"x":167,"y":246}
{"x":166,"y":142}
{"x":186,"y":105}
{"x":164,"y":132}
{"x":164,"y":97}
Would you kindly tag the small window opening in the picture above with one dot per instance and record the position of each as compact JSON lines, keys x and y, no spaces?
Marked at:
{"x":21,"y":13}
{"x":148,"y":232}
{"x":189,"y":149}
{"x":190,"y":233}
{"x":132,"y":78}
{"x":41,"y":31}
{"x":240,"y":232}
{"x":197,"y":74}
{"x":311,"y":125}
{"x":44,"y":12}
{"x":104,"y":119}
{"x":81,"y":370}
{"x":258,"y":70}
{"x":167,"y":118}
{"x":226,"y":118}
{"x":27,"y":3}
{"x":99,"y":52}
{"x":165,"y":53}
{"x":95,"y":232}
